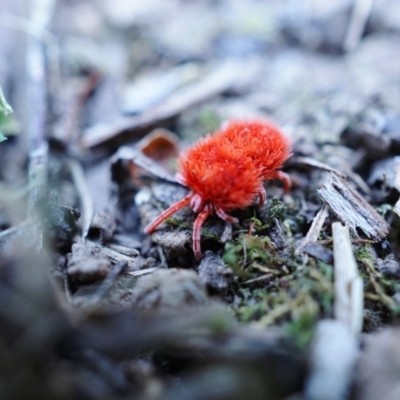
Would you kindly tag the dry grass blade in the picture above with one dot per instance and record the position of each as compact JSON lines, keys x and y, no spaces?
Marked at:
{"x":352,"y":209}
{"x":79,"y":179}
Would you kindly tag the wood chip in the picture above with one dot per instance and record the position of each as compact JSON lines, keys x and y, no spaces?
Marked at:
{"x":352,"y":209}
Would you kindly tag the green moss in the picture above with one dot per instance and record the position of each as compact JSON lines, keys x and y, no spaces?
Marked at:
{"x":301,"y":330}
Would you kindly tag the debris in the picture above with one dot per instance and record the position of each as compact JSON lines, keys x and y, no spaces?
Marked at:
{"x":159,"y":145}
{"x":213,"y":272}
{"x":168,"y":289}
{"x":352,"y":209}
{"x":319,"y":252}
{"x":86,"y":264}
{"x":114,"y":256}
{"x":102,"y":226}
{"x":379,"y":366}
{"x":376,"y":131}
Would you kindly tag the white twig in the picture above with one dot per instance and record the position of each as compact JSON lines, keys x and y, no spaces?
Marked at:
{"x":348,"y":306}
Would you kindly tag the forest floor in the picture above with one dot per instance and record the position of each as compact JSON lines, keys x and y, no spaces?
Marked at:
{"x":298,"y":300}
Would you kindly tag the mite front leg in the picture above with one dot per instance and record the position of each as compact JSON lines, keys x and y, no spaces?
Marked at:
{"x":167,"y":213}
{"x":198,"y":223}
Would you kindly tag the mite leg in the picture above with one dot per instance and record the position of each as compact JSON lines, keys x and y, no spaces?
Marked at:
{"x":198,"y":223}
{"x":262,"y":195}
{"x":284,"y":178}
{"x":167,"y":213}
{"x":224,"y":216}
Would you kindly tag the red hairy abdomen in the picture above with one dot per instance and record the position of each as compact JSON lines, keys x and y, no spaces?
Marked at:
{"x":259,"y":140}
{"x":227,"y":168}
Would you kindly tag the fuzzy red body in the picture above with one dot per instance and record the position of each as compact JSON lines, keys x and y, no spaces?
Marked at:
{"x":226,"y":170}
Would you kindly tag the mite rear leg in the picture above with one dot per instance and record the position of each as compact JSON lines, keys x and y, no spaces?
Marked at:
{"x":284,"y":178}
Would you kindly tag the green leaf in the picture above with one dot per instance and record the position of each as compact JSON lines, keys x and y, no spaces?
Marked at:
{"x":5,"y":108}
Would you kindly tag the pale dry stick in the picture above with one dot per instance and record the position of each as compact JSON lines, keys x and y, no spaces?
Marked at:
{"x":258,"y":279}
{"x":334,"y":350}
{"x":348,"y":305}
{"x":78,"y":176}
{"x":334,"y":353}
{"x":143,"y":271}
{"x":315,"y":229}
{"x":37,"y":110}
{"x":41,"y":34}
{"x":361,"y":11}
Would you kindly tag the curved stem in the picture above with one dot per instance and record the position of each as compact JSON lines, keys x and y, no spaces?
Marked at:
{"x":167,"y":213}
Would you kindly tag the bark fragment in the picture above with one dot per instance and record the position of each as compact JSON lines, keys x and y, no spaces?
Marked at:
{"x":352,"y":209}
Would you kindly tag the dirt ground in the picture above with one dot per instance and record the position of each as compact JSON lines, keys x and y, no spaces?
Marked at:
{"x":297,"y":300}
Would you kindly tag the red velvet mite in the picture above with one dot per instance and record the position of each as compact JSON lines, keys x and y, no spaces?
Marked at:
{"x":226,"y":171}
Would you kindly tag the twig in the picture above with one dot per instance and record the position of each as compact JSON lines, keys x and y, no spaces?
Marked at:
{"x":85,"y":197}
{"x":348,"y":306}
{"x":334,"y":354}
{"x":361,"y":11}
{"x":228,"y":75}
{"x":37,"y":91}
{"x":39,"y":33}
{"x":258,"y":279}
{"x":315,"y":229}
